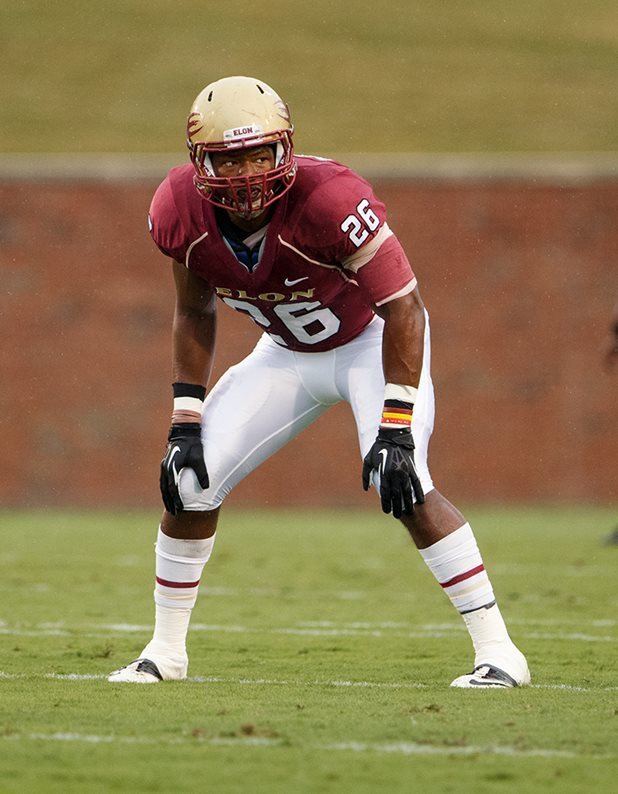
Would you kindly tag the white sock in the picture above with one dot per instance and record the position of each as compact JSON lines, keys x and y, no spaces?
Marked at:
{"x":456,"y":563}
{"x":490,"y":637}
{"x":178,"y":571}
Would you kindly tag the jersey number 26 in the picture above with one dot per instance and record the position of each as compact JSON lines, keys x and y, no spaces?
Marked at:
{"x":359,"y":225}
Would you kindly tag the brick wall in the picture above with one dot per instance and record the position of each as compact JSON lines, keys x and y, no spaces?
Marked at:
{"x":519,"y":281}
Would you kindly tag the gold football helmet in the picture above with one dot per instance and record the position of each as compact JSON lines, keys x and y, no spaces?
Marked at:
{"x":233,"y":113}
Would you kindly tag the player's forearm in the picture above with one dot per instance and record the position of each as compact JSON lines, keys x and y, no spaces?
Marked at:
{"x":402,"y":341}
{"x":193,"y":346}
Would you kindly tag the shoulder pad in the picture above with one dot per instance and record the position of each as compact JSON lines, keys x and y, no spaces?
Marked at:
{"x":340,"y":214}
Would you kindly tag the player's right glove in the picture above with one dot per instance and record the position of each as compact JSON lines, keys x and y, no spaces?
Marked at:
{"x":392,"y":454}
{"x":184,"y":451}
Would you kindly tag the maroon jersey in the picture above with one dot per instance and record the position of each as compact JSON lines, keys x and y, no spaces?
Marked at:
{"x":327,"y":257}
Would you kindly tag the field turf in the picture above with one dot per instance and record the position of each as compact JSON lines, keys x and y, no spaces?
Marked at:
{"x":402,"y":75}
{"x":321,"y":653}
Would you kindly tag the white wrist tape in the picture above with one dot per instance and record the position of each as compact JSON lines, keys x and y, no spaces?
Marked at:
{"x":396,"y":391}
{"x":189,"y":404}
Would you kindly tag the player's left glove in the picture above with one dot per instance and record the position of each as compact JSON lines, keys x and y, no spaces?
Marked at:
{"x":184,"y":450}
{"x":392,"y":454}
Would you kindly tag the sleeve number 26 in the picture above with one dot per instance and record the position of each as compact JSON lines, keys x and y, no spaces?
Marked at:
{"x":357,"y":227}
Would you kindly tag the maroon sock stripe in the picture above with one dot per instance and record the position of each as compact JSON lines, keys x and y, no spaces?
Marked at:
{"x":461,"y":577}
{"x":167,"y":583}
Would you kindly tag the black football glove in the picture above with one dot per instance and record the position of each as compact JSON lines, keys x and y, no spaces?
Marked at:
{"x":392,"y":454}
{"x":184,"y":451}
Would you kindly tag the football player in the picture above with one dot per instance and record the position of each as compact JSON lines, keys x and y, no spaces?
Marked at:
{"x":301,"y":245}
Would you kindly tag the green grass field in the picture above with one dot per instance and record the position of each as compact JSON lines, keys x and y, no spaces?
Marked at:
{"x":321,"y":653}
{"x":479,"y":75}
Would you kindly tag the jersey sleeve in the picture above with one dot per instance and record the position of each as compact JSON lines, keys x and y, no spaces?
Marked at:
{"x":381,"y":268}
{"x":346,"y":225}
{"x":165,"y":224}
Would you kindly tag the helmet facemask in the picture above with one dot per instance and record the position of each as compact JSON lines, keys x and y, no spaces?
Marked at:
{"x":247,"y":196}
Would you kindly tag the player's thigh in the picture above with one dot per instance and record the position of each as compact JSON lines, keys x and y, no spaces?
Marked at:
{"x":256,"y":408}
{"x":362,"y":385}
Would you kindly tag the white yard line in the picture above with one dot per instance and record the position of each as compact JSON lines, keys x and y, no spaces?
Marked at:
{"x":279,"y":682}
{"x":391,"y":748}
{"x":430,"y":631}
{"x":89,"y":738}
{"x":285,"y":682}
{"x":457,"y":625}
{"x":413,"y":748}
{"x":573,"y":636}
{"x":543,"y":568}
{"x":234,"y":681}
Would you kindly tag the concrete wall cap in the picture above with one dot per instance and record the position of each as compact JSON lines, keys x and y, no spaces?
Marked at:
{"x":545,"y":168}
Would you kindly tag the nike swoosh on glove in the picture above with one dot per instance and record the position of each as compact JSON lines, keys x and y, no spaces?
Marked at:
{"x":184,"y":451}
{"x":392,"y":454}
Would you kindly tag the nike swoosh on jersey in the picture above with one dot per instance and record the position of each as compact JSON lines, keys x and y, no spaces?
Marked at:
{"x":290,"y":282}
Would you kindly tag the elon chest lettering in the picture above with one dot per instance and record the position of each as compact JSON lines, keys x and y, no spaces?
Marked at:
{"x":269,"y":297}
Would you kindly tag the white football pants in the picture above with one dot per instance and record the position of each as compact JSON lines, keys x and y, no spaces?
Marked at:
{"x":268,"y":398}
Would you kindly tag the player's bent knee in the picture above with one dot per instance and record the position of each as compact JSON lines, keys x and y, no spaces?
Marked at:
{"x":189,"y":524}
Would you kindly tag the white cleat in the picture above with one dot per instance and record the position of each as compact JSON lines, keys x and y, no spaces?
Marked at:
{"x":141,"y":671}
{"x":489,"y":675}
